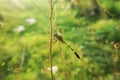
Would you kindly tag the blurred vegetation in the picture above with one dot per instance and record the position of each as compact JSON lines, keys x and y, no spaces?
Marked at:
{"x":91,"y":27}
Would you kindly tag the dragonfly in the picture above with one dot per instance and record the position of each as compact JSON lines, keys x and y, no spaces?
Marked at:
{"x":59,"y":37}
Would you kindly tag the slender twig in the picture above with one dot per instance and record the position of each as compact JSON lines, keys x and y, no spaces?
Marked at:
{"x":115,"y":59}
{"x":51,"y":33}
{"x":35,"y":5}
{"x":54,"y":3}
{"x":63,"y":61}
{"x":23,"y":56}
{"x":105,"y":10}
{"x":3,"y":47}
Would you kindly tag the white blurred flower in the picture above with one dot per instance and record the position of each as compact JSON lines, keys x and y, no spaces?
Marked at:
{"x":18,"y":4}
{"x":20,"y":28}
{"x":54,"y":69}
{"x":1,"y":24}
{"x":92,"y":12}
{"x":31,"y":21}
{"x":81,"y":47}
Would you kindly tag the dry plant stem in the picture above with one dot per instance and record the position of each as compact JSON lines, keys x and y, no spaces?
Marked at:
{"x":51,"y":33}
{"x":105,"y":10}
{"x":23,"y":56}
{"x":63,"y":63}
{"x":115,"y":64}
{"x":3,"y":48}
{"x":35,"y":4}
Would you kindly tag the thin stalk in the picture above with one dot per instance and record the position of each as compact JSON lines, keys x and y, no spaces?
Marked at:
{"x":51,"y":33}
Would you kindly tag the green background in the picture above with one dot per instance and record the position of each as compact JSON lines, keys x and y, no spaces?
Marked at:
{"x":91,"y":28}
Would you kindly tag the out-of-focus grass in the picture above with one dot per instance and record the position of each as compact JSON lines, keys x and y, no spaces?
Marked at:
{"x":32,"y":45}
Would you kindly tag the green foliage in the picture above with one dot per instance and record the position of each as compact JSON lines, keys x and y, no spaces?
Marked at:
{"x":24,"y":55}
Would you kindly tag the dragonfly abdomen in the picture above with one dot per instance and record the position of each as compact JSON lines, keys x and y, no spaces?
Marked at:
{"x":73,"y":51}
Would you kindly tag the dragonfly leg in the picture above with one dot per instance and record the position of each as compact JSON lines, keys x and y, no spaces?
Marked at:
{"x":54,"y":41}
